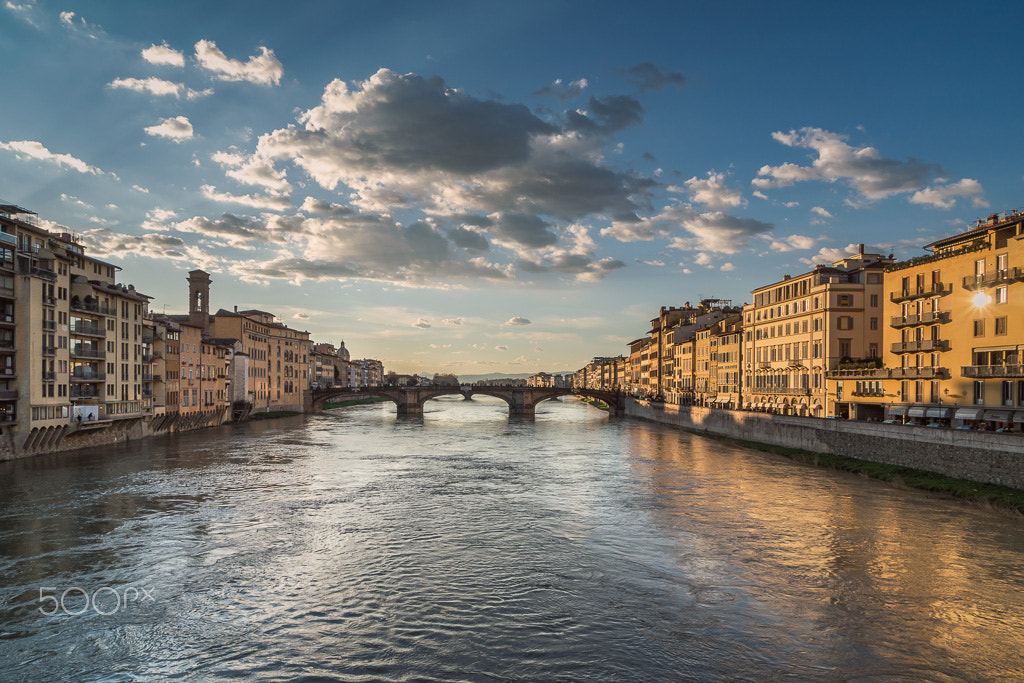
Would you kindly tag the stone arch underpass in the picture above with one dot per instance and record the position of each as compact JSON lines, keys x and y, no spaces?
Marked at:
{"x":522,"y":401}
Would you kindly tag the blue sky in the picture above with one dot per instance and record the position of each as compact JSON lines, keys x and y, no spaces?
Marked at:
{"x":481,"y":187}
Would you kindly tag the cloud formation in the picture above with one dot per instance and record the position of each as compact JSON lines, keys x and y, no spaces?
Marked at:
{"x":712,"y":192}
{"x":176,"y":128}
{"x":163,"y":55}
{"x":158,"y":87}
{"x":36,"y":150}
{"x":945,"y":196}
{"x":517,"y":321}
{"x":870,"y":174}
{"x":261,"y":69}
{"x":646,"y":76}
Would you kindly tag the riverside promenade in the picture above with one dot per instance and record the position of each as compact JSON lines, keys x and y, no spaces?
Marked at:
{"x":987,"y":457}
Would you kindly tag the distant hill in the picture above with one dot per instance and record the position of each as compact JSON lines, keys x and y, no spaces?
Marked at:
{"x":469,"y":379}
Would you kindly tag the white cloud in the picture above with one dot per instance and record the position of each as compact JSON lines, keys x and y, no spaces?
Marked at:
{"x":792,"y":243}
{"x":945,"y":196}
{"x":864,"y":168}
{"x":821,"y":211}
{"x":36,"y":150}
{"x":163,"y":55}
{"x":262,"y":69}
{"x":158,"y":87}
{"x":253,"y":171}
{"x":501,"y":347}
{"x":421,"y":323}
{"x":829,"y":255}
{"x":517,"y":321}
{"x":270,"y":203}
{"x":177,"y":128}
{"x":712,"y":192}
{"x":726,"y":267}
{"x":453,"y":322}
{"x":703,"y":259}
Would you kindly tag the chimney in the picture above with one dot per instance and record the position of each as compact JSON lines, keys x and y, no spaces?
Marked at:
{"x":860,"y":249}
{"x":236,"y":309}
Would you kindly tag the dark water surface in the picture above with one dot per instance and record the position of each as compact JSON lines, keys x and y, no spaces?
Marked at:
{"x":353,"y":546}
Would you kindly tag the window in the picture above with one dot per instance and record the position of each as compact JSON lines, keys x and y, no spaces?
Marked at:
{"x":1007,"y":393}
{"x":874,"y":301}
{"x":979,"y":393}
{"x":844,"y":348}
{"x":979,"y":328}
{"x":874,"y":323}
{"x":1001,"y":325}
{"x":845,"y":300}
{"x":1001,"y":295}
{"x":845,"y":322}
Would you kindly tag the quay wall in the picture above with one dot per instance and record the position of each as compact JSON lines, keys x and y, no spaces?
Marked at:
{"x":988,"y":457}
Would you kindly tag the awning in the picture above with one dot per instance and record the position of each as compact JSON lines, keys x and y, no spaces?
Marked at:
{"x":1018,"y":416}
{"x":940,"y":413}
{"x":898,"y":410}
{"x":917,"y":411}
{"x":967,"y":413}
{"x":997,"y":415}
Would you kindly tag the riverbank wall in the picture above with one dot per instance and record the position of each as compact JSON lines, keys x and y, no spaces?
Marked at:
{"x":987,"y":457}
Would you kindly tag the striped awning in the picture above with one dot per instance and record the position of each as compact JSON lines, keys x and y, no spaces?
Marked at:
{"x":940,"y":413}
{"x":917,"y":411}
{"x":967,"y":413}
{"x":897,"y":410}
{"x":997,"y":415}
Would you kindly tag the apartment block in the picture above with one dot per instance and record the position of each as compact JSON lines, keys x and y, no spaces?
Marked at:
{"x":954,"y":334}
{"x":799,"y":329}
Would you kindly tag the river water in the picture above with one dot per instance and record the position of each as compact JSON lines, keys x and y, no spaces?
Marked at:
{"x":352,"y":545}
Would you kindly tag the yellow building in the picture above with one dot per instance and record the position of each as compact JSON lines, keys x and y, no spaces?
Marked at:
{"x":800,"y":328}
{"x":726,"y":362}
{"x":954,"y":336}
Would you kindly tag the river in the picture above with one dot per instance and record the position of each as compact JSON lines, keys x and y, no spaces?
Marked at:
{"x":351,"y":545}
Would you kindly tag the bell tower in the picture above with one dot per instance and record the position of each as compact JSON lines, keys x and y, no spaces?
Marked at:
{"x":199,"y":299}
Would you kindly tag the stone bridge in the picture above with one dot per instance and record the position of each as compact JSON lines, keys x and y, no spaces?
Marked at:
{"x":522,"y":401}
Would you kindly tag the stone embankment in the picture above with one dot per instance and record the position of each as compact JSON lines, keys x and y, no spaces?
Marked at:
{"x":988,"y":457}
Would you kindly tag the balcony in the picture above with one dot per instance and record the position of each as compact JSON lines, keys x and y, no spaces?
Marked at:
{"x":50,"y":325}
{"x":6,"y":319}
{"x":935,"y":289}
{"x":83,"y":352}
{"x":994,"y":277}
{"x":7,"y":264}
{"x":49,"y":350}
{"x":924,"y":372}
{"x":8,"y":418}
{"x":92,"y":307}
{"x":49,"y":300}
{"x":43,"y":273}
{"x":983,"y":371}
{"x":789,"y":391}
{"x":866,"y":393}
{"x":8,"y":395}
{"x":90,"y":330}
{"x":88,"y":375}
{"x":858,"y":373}
{"x":83,"y":392}
{"x":919,"y":346}
{"x":8,"y":238}
{"x":49,"y":375}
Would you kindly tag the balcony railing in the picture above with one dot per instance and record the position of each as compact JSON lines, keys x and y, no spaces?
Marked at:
{"x":994,"y":277}
{"x":918,"y":346}
{"x":94,"y":330}
{"x":858,"y":373}
{"x":982,"y":371}
{"x":935,"y":289}
{"x":865,"y":392}
{"x":49,"y":350}
{"x":923,"y":372}
{"x":93,"y":307}
{"x":49,"y":376}
{"x":83,"y":391}
{"x":81,"y":352}
{"x":50,"y":325}
{"x":50,"y":300}
{"x":43,"y":273}
{"x":85,"y":375}
{"x":791,"y":391}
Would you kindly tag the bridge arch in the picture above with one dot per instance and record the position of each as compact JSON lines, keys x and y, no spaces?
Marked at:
{"x":522,"y":401}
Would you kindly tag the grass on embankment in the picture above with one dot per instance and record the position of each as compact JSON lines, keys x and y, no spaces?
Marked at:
{"x":600,"y":405}
{"x":994,"y":495}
